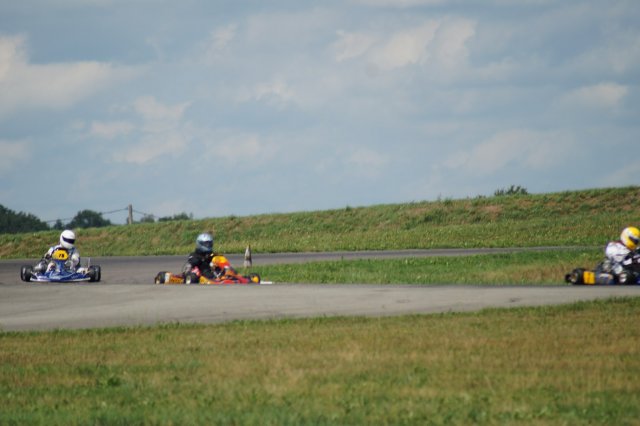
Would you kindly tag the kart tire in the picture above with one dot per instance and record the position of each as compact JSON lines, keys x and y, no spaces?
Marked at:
{"x":95,"y":273}
{"x":254,"y":278}
{"x":191,"y":278}
{"x":26,"y":272}
{"x":160,"y":277}
{"x":575,"y":277}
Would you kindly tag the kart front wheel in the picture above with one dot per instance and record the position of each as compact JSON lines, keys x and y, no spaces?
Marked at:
{"x":95,"y":273}
{"x":26,"y":272}
{"x":160,"y":278}
{"x":254,"y":278}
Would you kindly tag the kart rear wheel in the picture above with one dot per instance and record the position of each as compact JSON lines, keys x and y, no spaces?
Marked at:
{"x":575,"y":277}
{"x":95,"y":273}
{"x":26,"y":272}
{"x":191,"y":278}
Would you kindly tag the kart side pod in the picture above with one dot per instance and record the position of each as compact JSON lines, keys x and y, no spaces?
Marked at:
{"x":582,"y":276}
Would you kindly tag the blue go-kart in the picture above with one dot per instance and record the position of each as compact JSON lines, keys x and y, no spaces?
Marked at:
{"x":59,"y":272}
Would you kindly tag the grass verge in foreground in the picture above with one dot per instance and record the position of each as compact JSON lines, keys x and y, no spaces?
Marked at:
{"x":572,"y":364}
{"x":544,"y":267}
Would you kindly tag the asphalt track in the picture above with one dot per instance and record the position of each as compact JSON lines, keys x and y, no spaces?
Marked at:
{"x":126,"y":296}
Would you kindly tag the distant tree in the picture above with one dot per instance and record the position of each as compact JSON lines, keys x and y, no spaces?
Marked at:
{"x":58,"y":225}
{"x":512,"y":190}
{"x":88,"y":219}
{"x":13,"y":223}
{"x":180,"y":216}
{"x":147,"y":218}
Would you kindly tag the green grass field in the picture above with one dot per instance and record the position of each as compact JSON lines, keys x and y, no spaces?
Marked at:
{"x":528,"y":267}
{"x":574,"y":364}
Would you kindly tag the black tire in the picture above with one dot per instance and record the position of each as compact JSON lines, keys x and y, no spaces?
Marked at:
{"x":575,"y":277}
{"x":160,"y":277}
{"x":95,"y":273}
{"x":191,"y":278}
{"x":254,"y":278}
{"x":26,"y":272}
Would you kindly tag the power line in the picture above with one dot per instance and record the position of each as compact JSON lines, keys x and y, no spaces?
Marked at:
{"x":100,"y":213}
{"x":144,"y":214}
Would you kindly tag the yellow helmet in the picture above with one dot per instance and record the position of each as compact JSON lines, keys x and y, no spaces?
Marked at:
{"x":630,"y":237}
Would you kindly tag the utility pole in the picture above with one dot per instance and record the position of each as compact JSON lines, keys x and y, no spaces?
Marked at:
{"x":130,"y":218}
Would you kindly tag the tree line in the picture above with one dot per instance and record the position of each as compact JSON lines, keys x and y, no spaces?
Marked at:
{"x":15,"y":223}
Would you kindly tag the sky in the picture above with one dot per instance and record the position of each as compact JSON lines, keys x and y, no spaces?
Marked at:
{"x":225,"y":107}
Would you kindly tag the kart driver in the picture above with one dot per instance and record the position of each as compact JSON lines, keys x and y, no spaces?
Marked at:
{"x":200,"y":261}
{"x":622,"y":257}
{"x":67,"y":243}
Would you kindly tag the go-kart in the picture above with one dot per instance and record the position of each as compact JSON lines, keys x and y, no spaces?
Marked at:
{"x":59,"y":272}
{"x":603,"y":275}
{"x":227,"y":275}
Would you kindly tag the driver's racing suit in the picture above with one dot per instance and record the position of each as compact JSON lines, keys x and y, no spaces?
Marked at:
{"x":200,"y":262}
{"x":71,"y":264}
{"x":622,"y":262}
{"x":205,"y":264}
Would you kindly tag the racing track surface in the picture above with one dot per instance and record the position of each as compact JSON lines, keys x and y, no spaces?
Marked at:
{"x":127,"y":296}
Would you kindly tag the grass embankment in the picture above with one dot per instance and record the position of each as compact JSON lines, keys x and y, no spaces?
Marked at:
{"x":577,"y":218}
{"x":575,"y":364}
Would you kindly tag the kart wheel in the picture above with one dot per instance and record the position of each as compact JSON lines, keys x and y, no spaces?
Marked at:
{"x":575,"y":277}
{"x":160,"y":278}
{"x":254,"y":278}
{"x":26,"y":272}
{"x":95,"y":273}
{"x":191,"y":279}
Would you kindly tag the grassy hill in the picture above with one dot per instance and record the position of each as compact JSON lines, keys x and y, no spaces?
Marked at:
{"x":571,"y":218}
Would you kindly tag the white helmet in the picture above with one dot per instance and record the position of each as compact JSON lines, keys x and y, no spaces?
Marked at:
{"x":67,"y":239}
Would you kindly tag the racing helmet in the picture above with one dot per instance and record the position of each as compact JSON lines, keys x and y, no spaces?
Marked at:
{"x":630,"y":237}
{"x":67,"y":239}
{"x":204,"y":243}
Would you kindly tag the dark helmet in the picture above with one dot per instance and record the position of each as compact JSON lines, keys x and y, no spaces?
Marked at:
{"x":204,"y":243}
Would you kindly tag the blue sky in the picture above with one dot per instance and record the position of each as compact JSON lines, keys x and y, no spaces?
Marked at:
{"x":222,"y":108}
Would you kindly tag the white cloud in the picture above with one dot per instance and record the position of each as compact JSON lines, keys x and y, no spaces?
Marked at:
{"x":153,"y":111}
{"x":217,"y":44}
{"x":438,"y":44}
{"x":13,"y":154}
{"x":449,"y":46}
{"x":528,"y":149}
{"x":276,"y":93}
{"x":603,"y":95}
{"x":110,"y":130}
{"x":151,"y":147}
{"x":241,"y":148}
{"x":161,"y":131}
{"x":351,"y":45}
{"x":54,"y":86}
{"x":405,"y":47}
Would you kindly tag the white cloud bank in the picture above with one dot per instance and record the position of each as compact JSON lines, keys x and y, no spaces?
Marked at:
{"x":532,"y":150}
{"x":600,"y":96}
{"x":53,"y":86}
